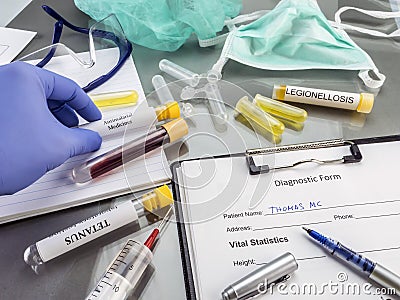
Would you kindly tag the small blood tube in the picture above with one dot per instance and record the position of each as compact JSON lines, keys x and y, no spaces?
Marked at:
{"x":115,"y":158}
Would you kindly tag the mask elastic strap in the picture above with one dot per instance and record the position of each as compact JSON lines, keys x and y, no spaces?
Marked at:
{"x":246,"y":17}
{"x":369,"y":81}
{"x":373,"y":13}
{"x":215,"y":73}
{"x":230,"y":23}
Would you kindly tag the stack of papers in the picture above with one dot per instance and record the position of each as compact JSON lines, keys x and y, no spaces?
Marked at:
{"x":12,"y":41}
{"x":56,"y":190}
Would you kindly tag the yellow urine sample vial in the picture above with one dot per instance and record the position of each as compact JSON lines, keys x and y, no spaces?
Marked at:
{"x":115,"y":98}
{"x":275,"y":139}
{"x":255,"y":114}
{"x":352,"y":101}
{"x":280,"y":109}
{"x":289,"y":124}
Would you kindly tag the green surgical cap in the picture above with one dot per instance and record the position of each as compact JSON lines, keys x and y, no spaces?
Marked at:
{"x":164,"y":24}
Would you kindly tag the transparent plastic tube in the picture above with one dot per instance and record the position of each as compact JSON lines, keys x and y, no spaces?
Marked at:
{"x":179,"y":72}
{"x":280,"y":109}
{"x":96,"y":226}
{"x":217,"y":104}
{"x":274,"y":139}
{"x":115,"y":158}
{"x":123,"y":274}
{"x":162,"y":90}
{"x":254,"y":114}
{"x":167,"y":100}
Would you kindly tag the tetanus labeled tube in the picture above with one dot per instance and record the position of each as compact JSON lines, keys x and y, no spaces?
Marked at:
{"x":179,"y":72}
{"x":96,"y":226}
{"x":115,"y":158}
{"x":352,"y":101}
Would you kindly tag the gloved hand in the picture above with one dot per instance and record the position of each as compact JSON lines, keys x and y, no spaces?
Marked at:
{"x":37,"y":107}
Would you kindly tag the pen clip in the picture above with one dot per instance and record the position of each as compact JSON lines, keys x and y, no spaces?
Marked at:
{"x":354,"y":157}
{"x":284,"y":278}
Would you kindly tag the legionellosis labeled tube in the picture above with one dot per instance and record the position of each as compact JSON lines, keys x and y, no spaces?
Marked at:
{"x":362,"y":102}
{"x":96,"y":226}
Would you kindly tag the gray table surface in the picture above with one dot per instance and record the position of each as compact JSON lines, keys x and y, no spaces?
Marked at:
{"x":73,"y":275}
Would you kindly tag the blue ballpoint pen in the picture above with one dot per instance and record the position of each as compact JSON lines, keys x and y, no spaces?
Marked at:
{"x":375,"y":272}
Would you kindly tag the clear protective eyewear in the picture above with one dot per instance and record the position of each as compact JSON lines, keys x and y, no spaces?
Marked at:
{"x":105,"y":34}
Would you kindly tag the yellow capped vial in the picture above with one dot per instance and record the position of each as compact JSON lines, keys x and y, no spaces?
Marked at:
{"x":279,"y":109}
{"x":255,"y":114}
{"x":167,"y":111}
{"x":352,"y":101}
{"x":116,"y":98}
{"x":157,"y":198}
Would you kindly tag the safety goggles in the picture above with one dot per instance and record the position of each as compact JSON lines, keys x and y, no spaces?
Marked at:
{"x":102,"y":35}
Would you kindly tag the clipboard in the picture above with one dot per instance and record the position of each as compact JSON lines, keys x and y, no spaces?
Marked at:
{"x":354,"y":156}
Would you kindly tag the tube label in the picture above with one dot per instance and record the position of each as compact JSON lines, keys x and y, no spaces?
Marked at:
{"x":113,"y":123}
{"x":86,"y":230}
{"x":328,"y":98}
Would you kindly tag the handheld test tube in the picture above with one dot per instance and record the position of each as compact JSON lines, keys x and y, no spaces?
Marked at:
{"x":96,"y":226}
{"x":125,"y":271}
{"x":280,"y":109}
{"x":255,"y":114}
{"x":102,"y":164}
{"x":115,"y":98}
{"x":116,"y":122}
{"x":167,"y":100}
{"x":352,"y":101}
{"x":179,"y":72}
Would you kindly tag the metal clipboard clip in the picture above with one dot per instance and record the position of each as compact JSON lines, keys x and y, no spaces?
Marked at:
{"x":354,"y":157}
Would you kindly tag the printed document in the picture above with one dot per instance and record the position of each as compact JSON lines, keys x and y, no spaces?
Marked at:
{"x":56,"y":190}
{"x":238,"y":222}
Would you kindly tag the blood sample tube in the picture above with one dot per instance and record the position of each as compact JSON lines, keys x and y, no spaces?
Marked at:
{"x":115,"y":158}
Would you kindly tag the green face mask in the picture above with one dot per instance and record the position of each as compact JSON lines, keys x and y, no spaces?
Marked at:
{"x":295,"y":35}
{"x":164,"y":24}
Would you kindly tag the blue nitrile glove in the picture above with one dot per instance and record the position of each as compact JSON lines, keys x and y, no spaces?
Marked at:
{"x":37,"y":107}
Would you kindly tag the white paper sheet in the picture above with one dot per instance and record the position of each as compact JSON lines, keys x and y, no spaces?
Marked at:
{"x":12,"y":42}
{"x":56,"y":190}
{"x":357,"y":204}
